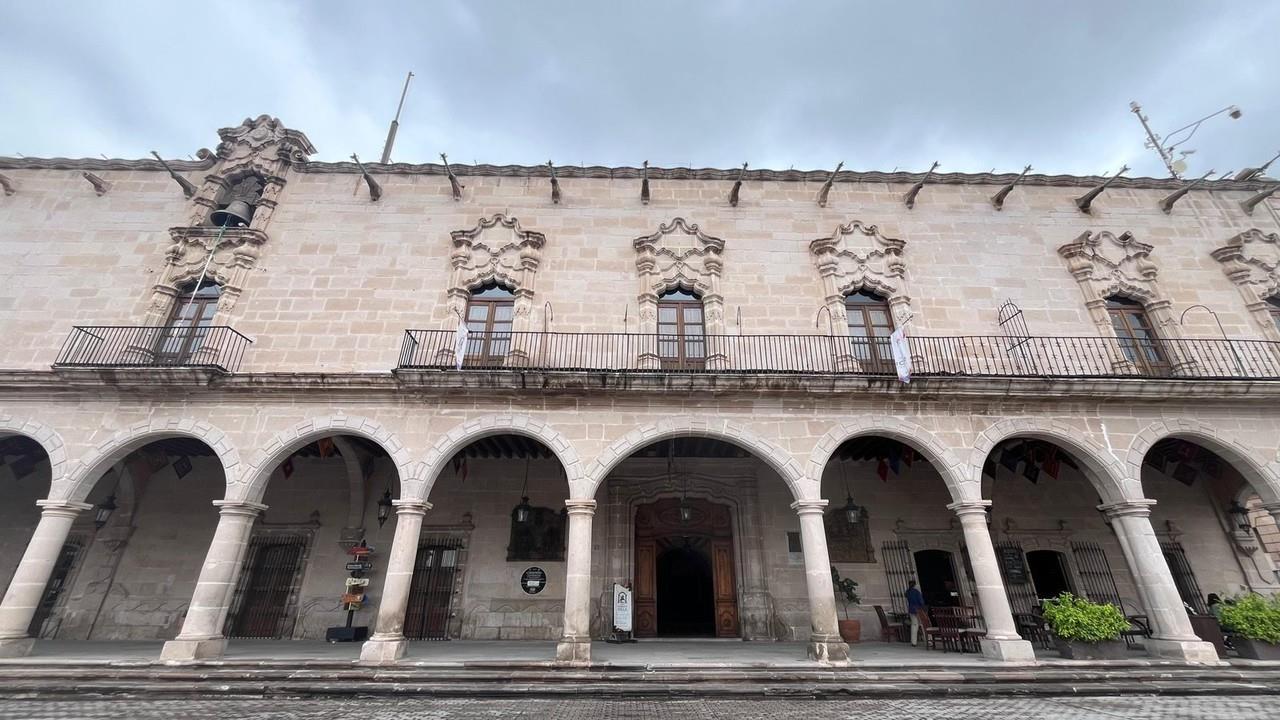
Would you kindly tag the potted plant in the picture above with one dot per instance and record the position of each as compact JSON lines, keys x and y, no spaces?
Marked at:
{"x":1085,"y":630}
{"x":847,"y":593}
{"x":1253,"y":622}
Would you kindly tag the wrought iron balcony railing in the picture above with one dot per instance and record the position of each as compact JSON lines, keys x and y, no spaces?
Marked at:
{"x":215,"y":348}
{"x":971,"y":356}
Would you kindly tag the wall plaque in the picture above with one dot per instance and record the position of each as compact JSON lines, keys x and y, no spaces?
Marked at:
{"x":533,"y":580}
{"x":1015,"y":570}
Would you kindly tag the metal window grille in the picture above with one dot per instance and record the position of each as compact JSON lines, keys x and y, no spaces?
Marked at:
{"x":437,"y":575}
{"x":266,"y":597}
{"x":899,"y":569}
{"x":1096,"y":579}
{"x":1188,"y":588}
{"x":1017,"y":581}
{"x":59,"y":580}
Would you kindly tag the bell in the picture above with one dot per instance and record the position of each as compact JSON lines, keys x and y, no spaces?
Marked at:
{"x":235,"y":214}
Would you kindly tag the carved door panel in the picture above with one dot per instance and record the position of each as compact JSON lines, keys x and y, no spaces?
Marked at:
{"x":646,"y":596}
{"x":725,"y":588}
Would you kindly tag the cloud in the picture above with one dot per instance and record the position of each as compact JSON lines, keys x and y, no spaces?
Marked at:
{"x":973,"y":85}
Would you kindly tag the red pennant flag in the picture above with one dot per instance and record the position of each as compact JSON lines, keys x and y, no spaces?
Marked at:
{"x":326,"y":447}
{"x":1053,"y":465}
{"x":882,"y":469}
{"x":287,"y":467}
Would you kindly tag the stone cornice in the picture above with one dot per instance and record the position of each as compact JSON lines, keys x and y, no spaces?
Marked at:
{"x":599,"y":172}
{"x":412,"y":385}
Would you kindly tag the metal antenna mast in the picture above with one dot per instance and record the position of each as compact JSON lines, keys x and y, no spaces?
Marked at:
{"x":395,"y":124}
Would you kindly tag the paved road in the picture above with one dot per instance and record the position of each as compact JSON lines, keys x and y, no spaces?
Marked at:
{"x":1101,"y":708}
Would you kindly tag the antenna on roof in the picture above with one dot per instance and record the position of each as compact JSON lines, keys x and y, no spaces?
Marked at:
{"x":395,"y":124}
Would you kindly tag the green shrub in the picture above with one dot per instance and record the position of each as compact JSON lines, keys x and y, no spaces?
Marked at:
{"x":1075,"y":618}
{"x":1253,"y":617}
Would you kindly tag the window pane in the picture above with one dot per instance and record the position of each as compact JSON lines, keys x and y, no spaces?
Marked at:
{"x":694,"y":349}
{"x":667,"y":349}
{"x":666,"y":314}
{"x":478,"y":312}
{"x":693,"y":314}
{"x":503,"y":312}
{"x":692,"y":329}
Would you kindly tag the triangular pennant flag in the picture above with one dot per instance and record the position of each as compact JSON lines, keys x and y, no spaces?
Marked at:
{"x":895,"y":460}
{"x":182,"y":466}
{"x":1184,"y":473}
{"x":882,"y":469}
{"x":287,"y":467}
{"x":1053,"y":464}
{"x":1031,"y":472}
{"x":908,"y":456}
{"x":325,"y":446}
{"x":1010,"y":460}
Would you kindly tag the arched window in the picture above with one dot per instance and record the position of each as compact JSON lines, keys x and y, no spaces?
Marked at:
{"x":489,"y":314}
{"x":1273,"y":307}
{"x":189,"y":322}
{"x":870,"y":325}
{"x":682,"y":342}
{"x":1138,"y":339}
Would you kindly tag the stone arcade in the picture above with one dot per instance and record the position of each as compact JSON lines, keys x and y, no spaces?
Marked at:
{"x":687,"y":395}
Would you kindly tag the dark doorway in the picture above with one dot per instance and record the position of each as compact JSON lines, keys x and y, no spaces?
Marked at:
{"x":1049,"y":573}
{"x":431,"y":591}
{"x":686,"y":601}
{"x":58,"y":581}
{"x":937,"y":578}
{"x":264,"y":608}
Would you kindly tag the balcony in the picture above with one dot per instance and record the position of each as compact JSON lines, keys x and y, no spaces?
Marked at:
{"x":201,"y":351}
{"x":822,"y":355}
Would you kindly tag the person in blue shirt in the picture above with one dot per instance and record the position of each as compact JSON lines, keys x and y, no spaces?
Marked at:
{"x":915,"y":608}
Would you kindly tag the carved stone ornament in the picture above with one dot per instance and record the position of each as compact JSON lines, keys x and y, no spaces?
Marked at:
{"x":679,"y":255}
{"x":234,"y":254}
{"x":496,"y":250}
{"x":1251,"y":260}
{"x":1105,"y":264}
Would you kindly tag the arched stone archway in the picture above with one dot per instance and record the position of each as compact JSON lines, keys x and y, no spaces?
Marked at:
{"x":251,"y":484}
{"x":779,"y":460}
{"x":425,"y":472}
{"x":947,"y":463}
{"x":1263,"y":476}
{"x":1104,"y":471}
{"x":46,"y":437}
{"x":84,"y":474}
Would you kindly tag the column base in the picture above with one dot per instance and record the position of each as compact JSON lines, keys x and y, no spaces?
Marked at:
{"x":16,"y":647}
{"x":828,"y":649}
{"x":1008,"y":650}
{"x":181,"y":650}
{"x":574,"y":652}
{"x":382,"y":650}
{"x":1194,"y":652}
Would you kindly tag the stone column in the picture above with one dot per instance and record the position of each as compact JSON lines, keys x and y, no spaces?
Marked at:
{"x":32,"y":574}
{"x":1172,"y":636}
{"x":387,"y":643}
{"x":201,"y":635}
{"x":825,"y":644}
{"x":575,"y":646}
{"x":1002,"y":641}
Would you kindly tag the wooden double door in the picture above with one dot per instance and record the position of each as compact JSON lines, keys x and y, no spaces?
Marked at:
{"x":684,"y":583}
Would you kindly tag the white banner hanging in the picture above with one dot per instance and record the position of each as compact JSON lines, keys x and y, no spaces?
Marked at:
{"x":901,"y":354}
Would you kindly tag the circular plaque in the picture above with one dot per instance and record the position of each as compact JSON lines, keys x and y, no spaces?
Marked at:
{"x":533,"y":580}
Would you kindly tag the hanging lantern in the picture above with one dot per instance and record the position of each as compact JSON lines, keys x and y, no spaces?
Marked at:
{"x":384,"y":508}
{"x":102,"y":511}
{"x":852,"y":511}
{"x":686,"y":512}
{"x":1240,"y":515}
{"x":523,"y":510}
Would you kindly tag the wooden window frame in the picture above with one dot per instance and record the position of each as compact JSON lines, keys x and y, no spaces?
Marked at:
{"x":1153,"y":359}
{"x":184,"y":336}
{"x":487,"y":345}
{"x":870,"y":349}
{"x":678,"y":300}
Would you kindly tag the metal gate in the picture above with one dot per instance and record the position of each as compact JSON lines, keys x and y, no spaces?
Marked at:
{"x":1017,"y":581}
{"x":267,"y":592}
{"x":1188,"y":588}
{"x":1096,"y":580}
{"x":59,"y":579}
{"x":899,"y":569}
{"x":432,"y":590}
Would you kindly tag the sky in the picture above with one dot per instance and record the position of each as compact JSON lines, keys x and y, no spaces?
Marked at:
{"x":975,"y":85}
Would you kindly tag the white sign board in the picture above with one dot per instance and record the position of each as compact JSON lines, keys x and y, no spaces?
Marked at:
{"x":621,"y":608}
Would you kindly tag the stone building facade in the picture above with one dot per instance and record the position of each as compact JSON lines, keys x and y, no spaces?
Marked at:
{"x":669,"y":379}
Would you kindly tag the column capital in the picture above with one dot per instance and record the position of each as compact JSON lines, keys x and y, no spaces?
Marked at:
{"x":65,"y":508}
{"x":239,"y":507}
{"x":809,"y":507}
{"x":970,"y":507}
{"x":411,"y":507}
{"x":1128,"y":508}
{"x":580,"y":507}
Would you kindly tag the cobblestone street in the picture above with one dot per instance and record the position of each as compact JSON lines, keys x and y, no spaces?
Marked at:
{"x":1162,"y":708}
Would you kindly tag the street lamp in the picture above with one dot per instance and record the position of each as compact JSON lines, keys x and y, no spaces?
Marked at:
{"x":1225,"y":339}
{"x":102,"y":511}
{"x":1176,"y":167}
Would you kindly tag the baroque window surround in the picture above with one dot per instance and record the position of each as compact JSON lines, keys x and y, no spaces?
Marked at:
{"x":1105,"y":264}
{"x":260,"y":147}
{"x":680,"y":255}
{"x":498,"y":251}
{"x":1251,"y":260}
{"x":858,"y":257}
